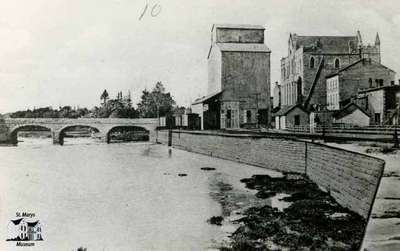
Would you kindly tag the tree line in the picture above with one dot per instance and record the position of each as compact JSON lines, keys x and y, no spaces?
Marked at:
{"x":154,"y":103}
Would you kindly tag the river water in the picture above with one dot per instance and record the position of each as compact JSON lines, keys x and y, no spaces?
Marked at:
{"x":125,"y":196}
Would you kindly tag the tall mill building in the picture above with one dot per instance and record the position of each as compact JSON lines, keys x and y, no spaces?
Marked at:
{"x":311,"y":58}
{"x":238,"y":79}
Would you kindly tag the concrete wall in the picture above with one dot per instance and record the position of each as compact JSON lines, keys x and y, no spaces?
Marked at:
{"x":351,"y":178}
{"x":249,"y":150}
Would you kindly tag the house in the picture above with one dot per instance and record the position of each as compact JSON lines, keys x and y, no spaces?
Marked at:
{"x":351,"y":114}
{"x":382,"y":103}
{"x":344,"y":84}
{"x":22,"y":230}
{"x":291,"y":116}
{"x":238,"y":79}
{"x":34,"y":231}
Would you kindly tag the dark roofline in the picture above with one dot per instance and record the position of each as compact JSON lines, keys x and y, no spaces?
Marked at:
{"x":317,"y":75}
{"x":205,"y":98}
{"x":330,"y":36}
{"x":379,"y":88}
{"x":283,"y":112}
{"x":347,"y":106}
{"x":353,"y":64}
{"x":32,"y":224}
{"x":238,"y":26}
{"x":17,"y":221}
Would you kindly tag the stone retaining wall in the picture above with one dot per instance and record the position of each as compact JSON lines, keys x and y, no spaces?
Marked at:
{"x":351,"y":178}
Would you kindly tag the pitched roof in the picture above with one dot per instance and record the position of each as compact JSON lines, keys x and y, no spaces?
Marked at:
{"x":238,"y":26}
{"x":348,"y":109}
{"x":355,"y":63}
{"x":248,"y":47}
{"x":286,"y":109}
{"x":205,"y":98}
{"x":394,"y":87}
{"x":32,"y":224}
{"x":331,"y":44}
{"x":16,"y":222}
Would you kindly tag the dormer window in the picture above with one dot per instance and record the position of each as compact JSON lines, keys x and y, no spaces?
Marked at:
{"x":312,"y":62}
{"x":337,"y":63}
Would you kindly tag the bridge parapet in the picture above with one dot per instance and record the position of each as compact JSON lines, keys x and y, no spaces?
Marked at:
{"x":58,"y":125}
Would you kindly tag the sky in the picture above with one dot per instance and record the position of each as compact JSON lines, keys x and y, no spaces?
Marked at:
{"x":66,"y":52}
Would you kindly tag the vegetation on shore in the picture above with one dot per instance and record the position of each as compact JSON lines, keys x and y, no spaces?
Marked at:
{"x":157,"y":102}
{"x":312,"y":220}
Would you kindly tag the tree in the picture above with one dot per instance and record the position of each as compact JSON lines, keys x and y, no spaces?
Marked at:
{"x":104,"y":96}
{"x":155,"y":103}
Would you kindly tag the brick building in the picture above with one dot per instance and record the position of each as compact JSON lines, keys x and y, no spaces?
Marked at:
{"x":344,"y":85}
{"x":311,"y":58}
{"x":238,"y":78}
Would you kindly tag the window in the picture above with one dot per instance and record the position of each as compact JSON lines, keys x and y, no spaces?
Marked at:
{"x":377,"y":118}
{"x":248,"y":116}
{"x":380,"y":82}
{"x":297,"y":120}
{"x":312,"y":62}
{"x":370,"y":82}
{"x":337,"y":63}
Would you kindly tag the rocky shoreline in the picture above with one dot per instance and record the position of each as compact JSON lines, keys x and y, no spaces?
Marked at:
{"x":284,"y":213}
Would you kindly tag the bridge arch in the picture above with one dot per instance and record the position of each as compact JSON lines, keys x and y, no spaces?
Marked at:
{"x":142,"y":131}
{"x":62,"y":132}
{"x":13,"y":134}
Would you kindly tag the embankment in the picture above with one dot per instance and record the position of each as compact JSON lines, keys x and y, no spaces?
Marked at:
{"x":351,"y":178}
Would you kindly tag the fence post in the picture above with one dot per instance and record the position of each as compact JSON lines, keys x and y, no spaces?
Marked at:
{"x":305,"y":158}
{"x":169,"y":137}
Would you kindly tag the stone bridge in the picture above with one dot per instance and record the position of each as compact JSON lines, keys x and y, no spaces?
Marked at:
{"x":58,"y":126}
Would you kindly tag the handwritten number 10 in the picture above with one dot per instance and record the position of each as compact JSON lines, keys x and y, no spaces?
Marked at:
{"x":155,"y":10}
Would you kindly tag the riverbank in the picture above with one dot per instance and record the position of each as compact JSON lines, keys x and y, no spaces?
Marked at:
{"x":284,"y":213}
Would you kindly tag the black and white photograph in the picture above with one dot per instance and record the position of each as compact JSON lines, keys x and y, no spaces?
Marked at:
{"x":215,"y":125}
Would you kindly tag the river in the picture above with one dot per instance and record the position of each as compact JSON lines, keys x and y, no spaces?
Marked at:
{"x":126,"y":196}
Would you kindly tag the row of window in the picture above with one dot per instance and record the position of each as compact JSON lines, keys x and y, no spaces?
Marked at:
{"x":378,"y":82}
{"x":333,"y":101}
{"x":332,"y":85}
{"x":313,"y":63}
{"x":296,"y":67}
